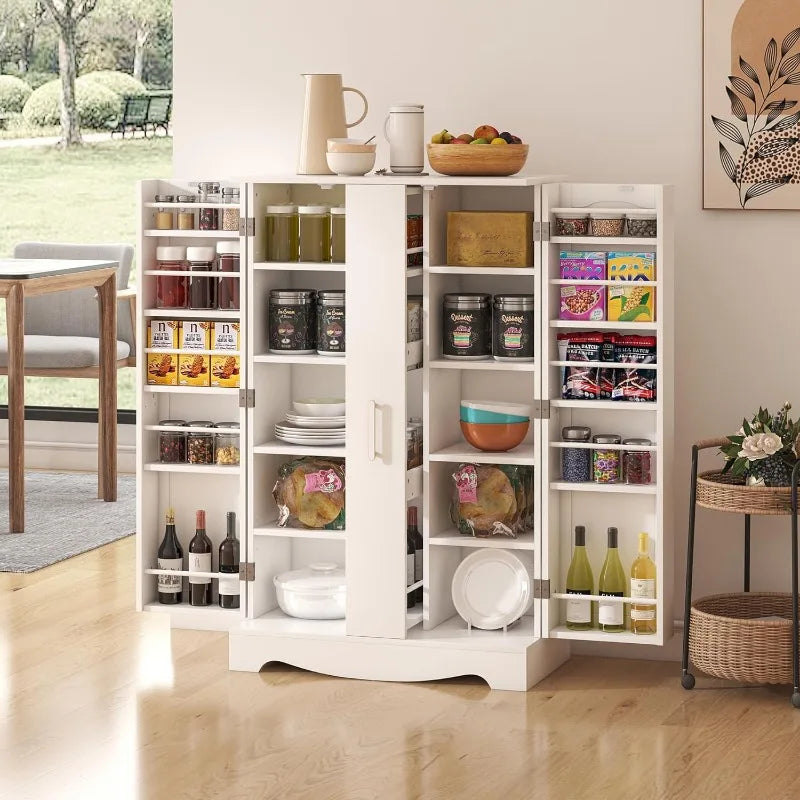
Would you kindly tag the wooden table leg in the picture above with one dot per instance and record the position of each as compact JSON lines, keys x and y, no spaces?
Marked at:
{"x":15,"y":326}
{"x":107,"y":428}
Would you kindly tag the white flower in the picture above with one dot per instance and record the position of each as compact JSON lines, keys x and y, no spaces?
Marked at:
{"x":771,"y":443}
{"x":753,"y":481}
{"x":752,"y":447}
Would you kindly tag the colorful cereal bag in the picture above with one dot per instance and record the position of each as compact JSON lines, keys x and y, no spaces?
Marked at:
{"x":583,"y":302}
{"x":629,"y":302}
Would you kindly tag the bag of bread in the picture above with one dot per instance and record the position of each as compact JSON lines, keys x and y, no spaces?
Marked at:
{"x":310,"y":493}
{"x":488,"y":500}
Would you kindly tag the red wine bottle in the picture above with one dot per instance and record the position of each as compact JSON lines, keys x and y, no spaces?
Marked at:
{"x":229,"y":564}
{"x":413,"y":532}
{"x":200,"y":561}
{"x":170,"y":556}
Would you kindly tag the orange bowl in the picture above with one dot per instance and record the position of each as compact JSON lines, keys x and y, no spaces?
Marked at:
{"x":477,"y":159}
{"x":494,"y":437}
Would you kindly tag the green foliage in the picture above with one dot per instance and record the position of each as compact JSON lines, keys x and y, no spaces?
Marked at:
{"x":120,"y":83}
{"x":35,"y":79}
{"x":13,"y":94}
{"x":98,"y":107}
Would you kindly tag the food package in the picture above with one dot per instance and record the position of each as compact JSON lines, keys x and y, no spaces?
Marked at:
{"x":225,"y":371}
{"x":581,"y":301}
{"x":195,"y":335}
{"x":162,"y":369}
{"x":310,"y":493}
{"x":162,"y":334}
{"x":193,"y":370}
{"x":492,"y":500}
{"x":225,"y":336}
{"x":637,"y":384}
{"x":628,"y":301}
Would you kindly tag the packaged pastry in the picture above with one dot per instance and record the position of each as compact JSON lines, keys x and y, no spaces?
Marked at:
{"x":310,"y":493}
{"x":225,"y":371}
{"x":195,"y":335}
{"x":162,"y":369}
{"x":193,"y":370}
{"x":162,"y":334}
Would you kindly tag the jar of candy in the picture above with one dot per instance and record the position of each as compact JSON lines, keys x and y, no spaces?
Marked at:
{"x":200,"y":444}
{"x":636,"y":463}
{"x":171,"y":289}
{"x":172,"y":444}
{"x":165,"y":219}
{"x":576,"y":461}
{"x":606,"y":463}
{"x":226,"y":445}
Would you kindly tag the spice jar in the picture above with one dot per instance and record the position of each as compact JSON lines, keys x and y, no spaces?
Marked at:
{"x":606,"y":464}
{"x":228,"y":288}
{"x":330,"y":323}
{"x":202,"y":284}
{"x":200,"y":445}
{"x":641,"y":223}
{"x":292,"y":321}
{"x":209,"y":215}
{"x":636,"y":463}
{"x":172,"y":444}
{"x":466,"y":326}
{"x":337,"y":234}
{"x":186,"y":216}
{"x":315,"y":233}
{"x":576,"y":461}
{"x":572,"y":223}
{"x":171,"y":290}
{"x":281,"y":232}
{"x":607,"y":224}
{"x":512,"y":326}
{"x":226,"y":444}
{"x":230,"y":216}
{"x":165,"y":219}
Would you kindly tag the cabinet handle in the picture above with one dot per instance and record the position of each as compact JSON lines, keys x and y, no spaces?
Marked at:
{"x":374,"y":429}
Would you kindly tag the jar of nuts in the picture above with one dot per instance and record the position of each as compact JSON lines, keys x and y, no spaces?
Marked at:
{"x":227,"y":443}
{"x":200,"y":444}
{"x":607,"y":224}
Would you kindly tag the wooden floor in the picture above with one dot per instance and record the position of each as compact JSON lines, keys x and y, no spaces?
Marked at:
{"x":99,"y":701}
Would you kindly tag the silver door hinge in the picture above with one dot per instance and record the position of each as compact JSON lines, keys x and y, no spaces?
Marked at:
{"x":247,"y":398}
{"x":247,"y":226}
{"x":541,"y":409}
{"x":541,"y":589}
{"x":541,"y":231}
{"x":247,"y":571}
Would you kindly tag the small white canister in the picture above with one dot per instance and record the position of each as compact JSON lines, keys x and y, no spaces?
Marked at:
{"x":404,"y":129}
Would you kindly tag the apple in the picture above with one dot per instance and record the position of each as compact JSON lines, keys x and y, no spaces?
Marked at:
{"x":486,"y":132}
{"x":465,"y":138}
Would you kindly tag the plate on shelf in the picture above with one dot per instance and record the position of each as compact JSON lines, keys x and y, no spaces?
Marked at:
{"x":492,"y":589}
{"x":321,"y":433}
{"x":303,"y":421}
{"x":310,"y":441}
{"x":320,"y":406}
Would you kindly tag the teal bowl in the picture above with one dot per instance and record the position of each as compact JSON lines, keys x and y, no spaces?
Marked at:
{"x":480,"y":416}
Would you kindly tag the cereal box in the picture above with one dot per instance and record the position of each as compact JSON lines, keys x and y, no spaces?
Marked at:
{"x":225,"y":371}
{"x":193,"y":370}
{"x":162,"y":369}
{"x":581,"y":301}
{"x":162,"y":334}
{"x":225,"y":336}
{"x":629,"y":302}
{"x":195,"y":335}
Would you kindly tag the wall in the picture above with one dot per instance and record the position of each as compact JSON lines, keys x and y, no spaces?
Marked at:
{"x":603,"y":91}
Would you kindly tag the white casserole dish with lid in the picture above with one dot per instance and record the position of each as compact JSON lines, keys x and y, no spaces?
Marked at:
{"x":318,"y":591}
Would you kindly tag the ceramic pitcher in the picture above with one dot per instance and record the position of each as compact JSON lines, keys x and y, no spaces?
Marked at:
{"x":404,"y":130}
{"x":323,"y":119}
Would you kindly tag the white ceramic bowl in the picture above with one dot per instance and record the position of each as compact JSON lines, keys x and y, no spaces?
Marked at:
{"x":316,"y":592}
{"x":350,"y":146}
{"x":320,"y":406}
{"x":351,"y":163}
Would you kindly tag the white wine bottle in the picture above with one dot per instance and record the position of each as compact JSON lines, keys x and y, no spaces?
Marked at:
{"x":611,"y":614}
{"x":579,"y":581}
{"x":643,"y":585}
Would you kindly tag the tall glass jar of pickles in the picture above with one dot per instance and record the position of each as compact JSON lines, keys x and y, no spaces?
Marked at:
{"x":315,"y":233}
{"x":281,"y":233}
{"x":337,"y":234}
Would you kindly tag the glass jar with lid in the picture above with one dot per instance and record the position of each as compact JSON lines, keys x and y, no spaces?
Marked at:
{"x":338,"y":234}
{"x":230,"y":216}
{"x":186,"y":216}
{"x":172,"y":444}
{"x":281,"y":231}
{"x":636,"y":463}
{"x":576,"y":461}
{"x":164,"y":218}
{"x":331,"y":324}
{"x":292,"y":321}
{"x":202,"y":282}
{"x":606,"y":462}
{"x":467,"y":326}
{"x":208,"y":192}
{"x":228,"y":288}
{"x":315,"y":233}
{"x":171,"y":289}
{"x":200,"y":444}
{"x":226,"y":444}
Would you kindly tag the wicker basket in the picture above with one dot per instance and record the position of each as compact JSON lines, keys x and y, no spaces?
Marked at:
{"x":727,"y":640}
{"x":724,"y":492}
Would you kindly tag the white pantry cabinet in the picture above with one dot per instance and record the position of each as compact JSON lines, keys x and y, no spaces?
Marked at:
{"x":380,"y":639}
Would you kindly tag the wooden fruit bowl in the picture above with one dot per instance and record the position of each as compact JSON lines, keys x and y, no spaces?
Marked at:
{"x":477,"y":159}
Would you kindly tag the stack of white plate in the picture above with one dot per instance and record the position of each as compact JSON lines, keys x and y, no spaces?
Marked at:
{"x":314,"y":422}
{"x":295,"y":434}
{"x":303,"y":421}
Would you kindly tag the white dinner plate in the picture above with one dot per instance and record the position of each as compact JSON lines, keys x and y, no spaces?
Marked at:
{"x":310,"y":442}
{"x":315,"y":422}
{"x":320,"y":406}
{"x":323,"y":433}
{"x":492,"y":588}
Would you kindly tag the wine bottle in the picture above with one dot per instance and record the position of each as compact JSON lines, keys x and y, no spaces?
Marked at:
{"x":611,"y":615}
{"x":643,"y":584}
{"x":229,"y":564}
{"x":579,"y":581}
{"x":409,"y":563}
{"x":413,"y":532}
{"x":170,"y":556}
{"x":200,"y":561}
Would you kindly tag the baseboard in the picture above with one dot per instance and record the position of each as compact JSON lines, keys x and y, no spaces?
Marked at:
{"x":79,"y":456}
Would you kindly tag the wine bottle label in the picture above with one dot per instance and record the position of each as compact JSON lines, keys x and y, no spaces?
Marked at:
{"x":417,"y":565}
{"x":610,"y":613}
{"x":643,"y":587}
{"x":643,"y":614}
{"x":409,"y":569}
{"x":579,"y":610}
{"x":229,"y":585}
{"x":199,"y":562}
{"x":170,"y":584}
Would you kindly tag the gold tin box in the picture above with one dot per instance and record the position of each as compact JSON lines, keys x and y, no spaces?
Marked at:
{"x":489,"y":239}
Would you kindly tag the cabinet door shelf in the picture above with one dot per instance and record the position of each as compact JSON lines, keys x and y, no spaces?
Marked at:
{"x":605,"y":405}
{"x":192,"y":234}
{"x":176,"y":351}
{"x":522,"y":454}
{"x":602,"y":325}
{"x":299,"y":266}
{"x":199,"y":469}
{"x":592,"y":446}
{"x":606,"y":241}
{"x":521,"y":272}
{"x":278,"y":447}
{"x":452,"y":538}
{"x":590,"y":282}
{"x":604,"y":365}
{"x":185,"y":273}
{"x":198,"y":390}
{"x":185,"y":573}
{"x":273,"y":529}
{"x":488,"y":364}
{"x":612,"y":488}
{"x":596,"y":635}
{"x":192,"y":313}
{"x":639,"y":601}
{"x":413,"y":618}
{"x":305,"y":358}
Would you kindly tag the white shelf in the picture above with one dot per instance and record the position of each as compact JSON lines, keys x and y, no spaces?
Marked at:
{"x":612,"y":488}
{"x":603,"y":365}
{"x":284,"y":448}
{"x":413,"y":587}
{"x":454,"y":632}
{"x":410,"y":251}
{"x":413,"y":615}
{"x":606,"y":241}
{"x":177,"y":351}
{"x":602,"y":325}
{"x":487,"y":364}
{"x":606,"y":599}
{"x":593,"y":446}
{"x":205,"y":618}
{"x":220,"y":390}
{"x":624,"y":637}
{"x":413,"y":272}
{"x":590,"y":282}
{"x":197,"y":204}
{"x":502,"y":271}
{"x":188,"y":429}
{"x":601,"y":210}
{"x":605,"y":405}
{"x":200,"y":469}
{"x":272,"y":529}
{"x":452,"y":538}
{"x":185,"y":273}
{"x":194,"y":234}
{"x":276,"y":623}
{"x":523,"y":454}
{"x":191,"y":313}
{"x":185,"y":573}
{"x":309,"y":358}
{"x":298,"y":266}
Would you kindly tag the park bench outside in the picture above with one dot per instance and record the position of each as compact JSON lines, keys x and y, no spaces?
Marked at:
{"x":145,"y":113}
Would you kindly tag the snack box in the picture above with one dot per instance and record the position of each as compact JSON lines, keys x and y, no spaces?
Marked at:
{"x":581,"y":301}
{"x":162,"y":369}
{"x":225,"y":371}
{"x":162,"y":334}
{"x":225,"y":336}
{"x":195,"y":335}
{"x":193,"y":370}
{"x":490,"y":238}
{"x":629,"y":302}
